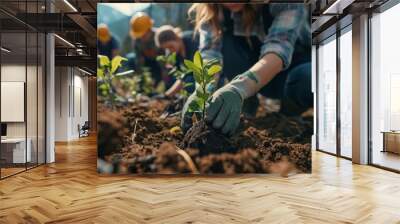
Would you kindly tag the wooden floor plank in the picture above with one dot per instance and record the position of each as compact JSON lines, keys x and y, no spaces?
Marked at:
{"x":70,"y":191}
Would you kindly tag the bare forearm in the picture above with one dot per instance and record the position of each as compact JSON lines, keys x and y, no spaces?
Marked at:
{"x":267,"y":68}
{"x":250,"y":82}
{"x":175,"y":88}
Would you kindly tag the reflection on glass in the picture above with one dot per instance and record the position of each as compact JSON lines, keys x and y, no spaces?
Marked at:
{"x":327,"y":96}
{"x":14,"y":151}
{"x":385,"y":84}
{"x":22,"y":89}
{"x":346,"y":94}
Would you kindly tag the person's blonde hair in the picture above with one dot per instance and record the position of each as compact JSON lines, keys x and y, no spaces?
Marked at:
{"x":210,"y":13}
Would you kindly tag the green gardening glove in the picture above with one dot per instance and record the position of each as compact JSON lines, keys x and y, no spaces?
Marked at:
{"x":224,"y":108}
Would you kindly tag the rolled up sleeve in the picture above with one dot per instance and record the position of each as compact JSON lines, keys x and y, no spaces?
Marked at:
{"x":284,"y":31}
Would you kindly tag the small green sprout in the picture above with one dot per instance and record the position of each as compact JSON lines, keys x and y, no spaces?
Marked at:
{"x":147,"y":82}
{"x":106,"y":73}
{"x":203,"y":73}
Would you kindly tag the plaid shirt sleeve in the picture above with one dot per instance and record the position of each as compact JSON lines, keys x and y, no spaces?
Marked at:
{"x":289,"y":20}
{"x":209,"y":47}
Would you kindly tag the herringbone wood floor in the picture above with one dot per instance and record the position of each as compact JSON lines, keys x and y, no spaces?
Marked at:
{"x":70,"y":191}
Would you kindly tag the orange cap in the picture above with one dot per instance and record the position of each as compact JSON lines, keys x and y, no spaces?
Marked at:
{"x":140,"y":24}
{"x":103,"y":33}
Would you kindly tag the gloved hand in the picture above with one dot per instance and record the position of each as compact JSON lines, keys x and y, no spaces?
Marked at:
{"x":186,"y":117}
{"x":224,"y":108}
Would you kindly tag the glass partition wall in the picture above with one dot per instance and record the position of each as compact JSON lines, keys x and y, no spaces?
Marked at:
{"x":345,"y":92}
{"x":326,"y":59}
{"x":22,"y":101}
{"x":385,"y":89}
{"x":334,"y":94}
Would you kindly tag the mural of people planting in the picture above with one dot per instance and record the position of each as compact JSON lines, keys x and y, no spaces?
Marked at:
{"x":204,"y":88}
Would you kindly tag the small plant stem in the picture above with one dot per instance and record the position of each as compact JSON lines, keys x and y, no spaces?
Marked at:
{"x":134,"y":131}
{"x":204,"y":92}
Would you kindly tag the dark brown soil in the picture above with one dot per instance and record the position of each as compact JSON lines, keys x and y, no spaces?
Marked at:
{"x":271,"y":142}
{"x":201,"y":136}
{"x":111,"y":132}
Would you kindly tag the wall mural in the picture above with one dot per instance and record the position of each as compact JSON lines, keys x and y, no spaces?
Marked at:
{"x":204,"y":88}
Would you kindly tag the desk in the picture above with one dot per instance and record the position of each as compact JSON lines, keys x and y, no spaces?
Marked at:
{"x":391,"y":141}
{"x":13,"y":150}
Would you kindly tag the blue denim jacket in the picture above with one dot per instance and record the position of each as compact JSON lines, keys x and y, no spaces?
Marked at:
{"x":290,"y":27}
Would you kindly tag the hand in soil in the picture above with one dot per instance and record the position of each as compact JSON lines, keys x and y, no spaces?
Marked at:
{"x":223,"y":110}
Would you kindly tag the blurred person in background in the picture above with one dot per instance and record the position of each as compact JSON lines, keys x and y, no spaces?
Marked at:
{"x":106,"y":44}
{"x":264,"y":48}
{"x":145,"y":50}
{"x":184,"y":44}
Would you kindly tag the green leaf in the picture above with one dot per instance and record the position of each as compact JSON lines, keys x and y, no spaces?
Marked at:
{"x":104,"y":60}
{"x":212,"y":62}
{"x":208,"y":79}
{"x":194,"y":106}
{"x":191,"y":66}
{"x":198,"y":61}
{"x":187,"y":84}
{"x":161,"y":58}
{"x":214,"y":70}
{"x":173,"y":71}
{"x":200,"y":103}
{"x":100,"y":73}
{"x":197,"y":77}
{"x":202,"y":95}
{"x":116,"y":63}
{"x":172,"y":59}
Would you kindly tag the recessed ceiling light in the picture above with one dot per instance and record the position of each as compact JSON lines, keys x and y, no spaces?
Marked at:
{"x":5,"y":50}
{"x":332,"y":7}
{"x":70,"y":5}
{"x":84,"y":71}
{"x":65,"y":41}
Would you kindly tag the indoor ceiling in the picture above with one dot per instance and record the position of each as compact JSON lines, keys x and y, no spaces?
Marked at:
{"x":75,"y":21}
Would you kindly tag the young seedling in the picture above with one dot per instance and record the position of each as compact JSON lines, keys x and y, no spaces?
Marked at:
{"x":146,"y":81}
{"x":109,"y":88}
{"x":203,"y":73}
{"x":169,"y":60}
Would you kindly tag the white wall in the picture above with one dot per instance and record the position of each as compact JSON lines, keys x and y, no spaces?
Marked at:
{"x":14,"y":72}
{"x":33,"y":127}
{"x":61,"y":103}
{"x":71,"y":102}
